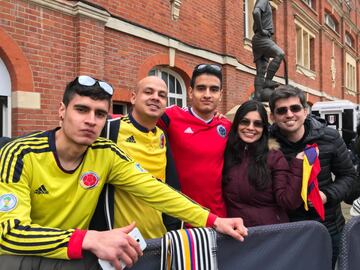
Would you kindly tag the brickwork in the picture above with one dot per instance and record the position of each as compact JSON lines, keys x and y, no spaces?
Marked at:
{"x":45,"y":44}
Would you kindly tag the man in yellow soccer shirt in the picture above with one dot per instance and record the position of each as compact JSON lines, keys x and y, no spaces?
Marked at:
{"x":50,"y":183}
{"x":139,"y":136}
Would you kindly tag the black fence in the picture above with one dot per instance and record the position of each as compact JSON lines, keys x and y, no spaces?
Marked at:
{"x":349,"y":256}
{"x":291,"y":246}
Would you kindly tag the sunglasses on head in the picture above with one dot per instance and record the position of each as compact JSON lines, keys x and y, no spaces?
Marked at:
{"x":85,"y":80}
{"x":293,"y":108}
{"x":210,"y":67}
{"x":256,"y":123}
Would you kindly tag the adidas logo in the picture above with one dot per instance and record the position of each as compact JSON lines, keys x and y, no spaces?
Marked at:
{"x":41,"y":190}
{"x":131,"y":139}
{"x":188,"y":130}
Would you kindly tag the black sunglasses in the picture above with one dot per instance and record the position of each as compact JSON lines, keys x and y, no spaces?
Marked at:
{"x":256,"y":123}
{"x":203,"y":67}
{"x":293,"y":108}
{"x":85,"y":80}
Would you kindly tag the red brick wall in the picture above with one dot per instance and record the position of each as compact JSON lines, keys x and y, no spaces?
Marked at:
{"x":44,"y":49}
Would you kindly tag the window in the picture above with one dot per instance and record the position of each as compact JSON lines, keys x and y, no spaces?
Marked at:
{"x":248,"y":18}
{"x":5,"y":101}
{"x":348,"y":5}
{"x":175,"y":84}
{"x":331,"y":22}
{"x":350,"y":75}
{"x":309,"y":3}
{"x":304,"y":48}
{"x":349,"y":40}
{"x":120,"y":108}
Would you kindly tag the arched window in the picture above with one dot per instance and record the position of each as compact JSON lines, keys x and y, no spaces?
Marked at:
{"x":311,"y":3}
{"x":5,"y":101}
{"x":175,"y":84}
{"x":331,"y":22}
{"x":349,"y":40}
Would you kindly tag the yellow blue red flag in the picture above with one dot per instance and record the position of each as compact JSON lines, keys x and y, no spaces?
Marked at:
{"x":310,"y":186}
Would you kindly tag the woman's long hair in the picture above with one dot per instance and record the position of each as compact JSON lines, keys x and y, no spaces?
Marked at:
{"x":236,"y":149}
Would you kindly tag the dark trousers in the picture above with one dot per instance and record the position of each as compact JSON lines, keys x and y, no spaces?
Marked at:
{"x":10,"y":262}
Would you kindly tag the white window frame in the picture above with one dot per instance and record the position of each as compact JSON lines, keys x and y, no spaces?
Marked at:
{"x":248,"y":18}
{"x":349,"y":40}
{"x":5,"y":90}
{"x":350,"y":73}
{"x":309,"y":3}
{"x":157,"y":71}
{"x":124,"y":104}
{"x":303,"y":53}
{"x":331,"y":22}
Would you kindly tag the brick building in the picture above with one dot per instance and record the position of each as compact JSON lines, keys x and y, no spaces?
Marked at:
{"x":46,"y":43}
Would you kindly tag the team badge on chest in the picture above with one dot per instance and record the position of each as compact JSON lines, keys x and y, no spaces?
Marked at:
{"x":221,"y":130}
{"x":162,"y":141}
{"x":89,"y":180}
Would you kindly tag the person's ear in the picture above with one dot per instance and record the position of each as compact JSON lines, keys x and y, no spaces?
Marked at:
{"x":306,"y":111}
{"x":133,"y":97}
{"x":191,"y":92}
{"x":272,"y":117}
{"x":62,"y":110}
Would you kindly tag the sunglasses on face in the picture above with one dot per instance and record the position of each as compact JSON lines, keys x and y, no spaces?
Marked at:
{"x":293,"y":108}
{"x":85,"y":80}
{"x":256,"y":123}
{"x":203,"y":67}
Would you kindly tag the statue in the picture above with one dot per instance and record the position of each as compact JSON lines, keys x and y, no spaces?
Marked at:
{"x":264,"y":48}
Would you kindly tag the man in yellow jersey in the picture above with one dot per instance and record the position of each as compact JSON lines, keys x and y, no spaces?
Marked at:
{"x":146,"y":144}
{"x":50,"y":183}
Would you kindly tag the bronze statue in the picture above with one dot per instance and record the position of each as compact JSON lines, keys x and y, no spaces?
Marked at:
{"x":264,"y":48}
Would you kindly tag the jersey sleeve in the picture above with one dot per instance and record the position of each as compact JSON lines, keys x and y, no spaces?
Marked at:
{"x":19,"y":236}
{"x":131,"y":177}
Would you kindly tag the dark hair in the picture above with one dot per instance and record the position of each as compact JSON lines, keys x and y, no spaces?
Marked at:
{"x":258,"y":172}
{"x":286,"y":91}
{"x":95,"y":91}
{"x":209,"y":69}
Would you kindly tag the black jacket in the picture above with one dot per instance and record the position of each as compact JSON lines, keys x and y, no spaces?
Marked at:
{"x":334,"y":159}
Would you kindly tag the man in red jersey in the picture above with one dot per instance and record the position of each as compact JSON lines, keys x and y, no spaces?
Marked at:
{"x":198,"y":138}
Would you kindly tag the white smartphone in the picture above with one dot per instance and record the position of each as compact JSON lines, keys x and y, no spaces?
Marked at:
{"x":135,"y":233}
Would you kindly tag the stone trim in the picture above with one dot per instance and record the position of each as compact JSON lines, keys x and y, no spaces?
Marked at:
{"x":25,"y":100}
{"x":175,"y":9}
{"x":134,"y":30}
{"x":77,"y":8}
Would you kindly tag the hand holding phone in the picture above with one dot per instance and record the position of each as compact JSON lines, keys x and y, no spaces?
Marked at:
{"x":135,"y":234}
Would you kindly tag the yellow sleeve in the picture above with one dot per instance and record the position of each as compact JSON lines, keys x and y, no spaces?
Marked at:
{"x":131,"y":177}
{"x":18,"y":235}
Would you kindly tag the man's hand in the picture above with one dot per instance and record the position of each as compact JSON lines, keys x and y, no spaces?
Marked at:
{"x":231,"y":226}
{"x":323,"y":199}
{"x":113,"y":246}
{"x":219,"y":115}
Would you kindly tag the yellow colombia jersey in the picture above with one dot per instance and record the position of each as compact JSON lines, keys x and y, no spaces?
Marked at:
{"x":41,"y":203}
{"x":147,"y":148}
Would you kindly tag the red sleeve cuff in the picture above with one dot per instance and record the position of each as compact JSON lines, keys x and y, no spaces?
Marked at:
{"x":211,"y":220}
{"x":75,"y":244}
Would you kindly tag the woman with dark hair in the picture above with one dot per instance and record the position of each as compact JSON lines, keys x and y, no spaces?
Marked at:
{"x":258,"y":184}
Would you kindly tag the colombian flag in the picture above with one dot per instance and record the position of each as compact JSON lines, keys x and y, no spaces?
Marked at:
{"x":310,"y":187}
